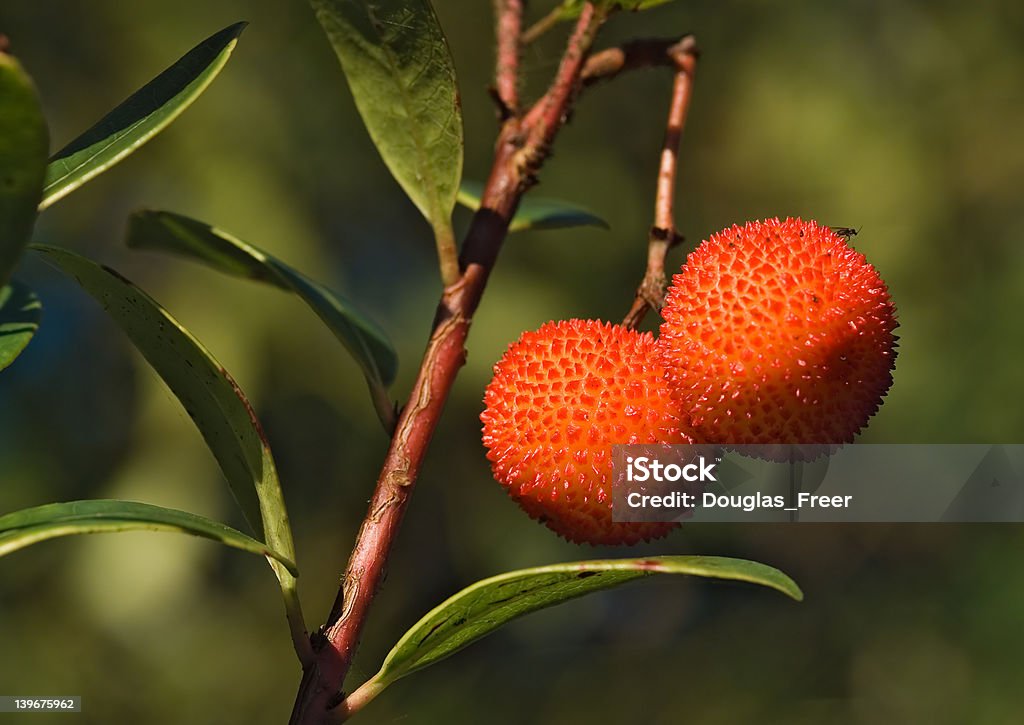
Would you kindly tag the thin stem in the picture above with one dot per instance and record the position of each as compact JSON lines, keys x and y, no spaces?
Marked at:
{"x":447,"y":252}
{"x":651,"y":292}
{"x":509,"y":14}
{"x":543,"y":25}
{"x":519,"y":153}
{"x":293,"y":612}
{"x":685,"y":56}
{"x":548,"y":115}
{"x":359,"y":698}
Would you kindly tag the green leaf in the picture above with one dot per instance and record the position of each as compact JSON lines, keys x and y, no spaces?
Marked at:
{"x":29,"y":526}
{"x":208,"y":393}
{"x":213,"y":401}
{"x":480,"y":609}
{"x":536,"y":212}
{"x":365,"y":341}
{"x":19,"y":320}
{"x":24,"y":143}
{"x":402,"y":77}
{"x":143,"y":115}
{"x":571,"y":8}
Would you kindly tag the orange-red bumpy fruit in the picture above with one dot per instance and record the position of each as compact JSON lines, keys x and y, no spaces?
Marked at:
{"x":561,"y":397}
{"x":778,"y":332}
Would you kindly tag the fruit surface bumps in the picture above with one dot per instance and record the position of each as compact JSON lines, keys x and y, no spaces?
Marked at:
{"x":778,"y":332}
{"x":561,"y":397}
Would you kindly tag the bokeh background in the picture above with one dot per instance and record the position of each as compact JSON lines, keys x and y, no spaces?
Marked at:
{"x":901,"y":118}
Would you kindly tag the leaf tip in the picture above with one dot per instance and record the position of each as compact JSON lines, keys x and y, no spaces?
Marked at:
{"x":782,"y":582}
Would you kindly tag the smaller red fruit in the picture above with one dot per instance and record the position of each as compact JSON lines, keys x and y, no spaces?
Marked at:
{"x":561,"y":397}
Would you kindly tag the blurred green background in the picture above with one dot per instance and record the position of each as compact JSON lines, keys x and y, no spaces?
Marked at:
{"x":901,"y":118}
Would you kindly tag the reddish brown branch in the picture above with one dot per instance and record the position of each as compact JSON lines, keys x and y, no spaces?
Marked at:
{"x":521,"y":149}
{"x":651,"y":292}
{"x":549,"y":113}
{"x":509,"y":14}
{"x":335,"y":646}
{"x":685,"y":55}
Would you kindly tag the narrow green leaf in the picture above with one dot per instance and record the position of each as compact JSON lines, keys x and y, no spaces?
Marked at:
{"x":365,"y":341}
{"x":215,"y":403}
{"x":481,"y":608}
{"x":208,"y":393}
{"x":571,"y":8}
{"x":402,"y":77}
{"x":19,"y":320}
{"x":94,"y":516}
{"x":143,"y":115}
{"x":24,"y":143}
{"x":536,"y":212}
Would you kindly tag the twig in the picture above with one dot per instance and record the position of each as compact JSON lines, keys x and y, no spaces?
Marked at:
{"x":685,"y":56}
{"x":549,"y":113}
{"x":520,"y":151}
{"x":651,"y":292}
{"x":506,"y":76}
{"x":641,"y":53}
{"x":543,"y":25}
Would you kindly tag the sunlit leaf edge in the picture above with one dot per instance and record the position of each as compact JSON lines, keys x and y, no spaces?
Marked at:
{"x":92,"y":152}
{"x":23,"y":528}
{"x":586,"y":575}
